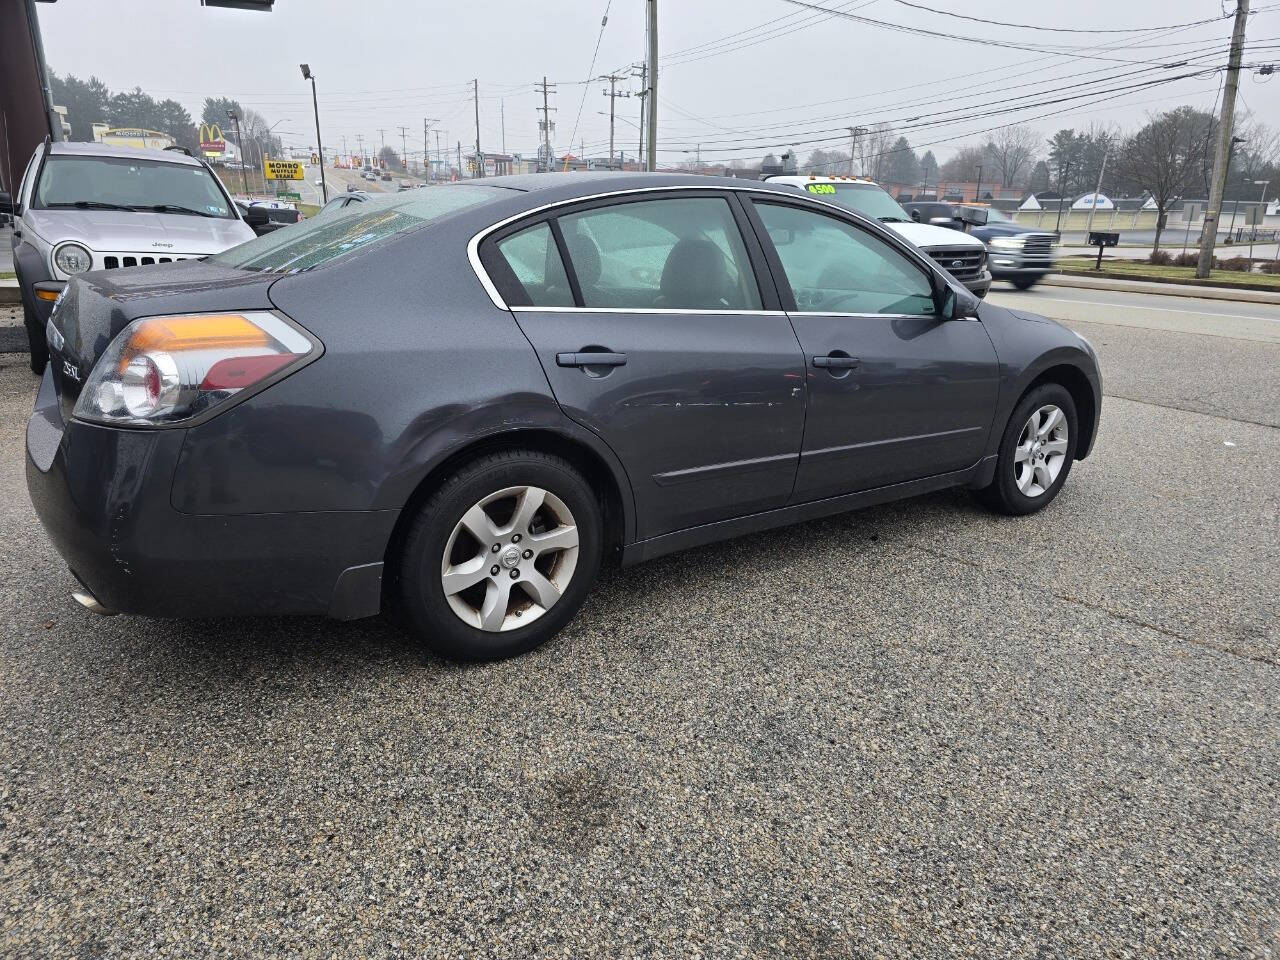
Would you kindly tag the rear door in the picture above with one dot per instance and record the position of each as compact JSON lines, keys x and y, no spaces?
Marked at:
{"x":895,"y":392}
{"x":647,"y":313}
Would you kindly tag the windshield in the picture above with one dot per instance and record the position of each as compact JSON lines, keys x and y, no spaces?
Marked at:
{"x":864,"y":198}
{"x":130,"y":183}
{"x":341,"y":232}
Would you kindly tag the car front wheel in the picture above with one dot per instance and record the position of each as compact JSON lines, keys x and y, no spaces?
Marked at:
{"x":501,"y":556}
{"x":1036,"y":452}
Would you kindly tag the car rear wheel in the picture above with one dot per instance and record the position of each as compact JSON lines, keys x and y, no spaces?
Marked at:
{"x":1036,"y":452}
{"x":1024,"y":283}
{"x":501,"y":556}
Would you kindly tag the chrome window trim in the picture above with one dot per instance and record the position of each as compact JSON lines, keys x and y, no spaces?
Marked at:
{"x":473,"y":245}
{"x":657,"y":310}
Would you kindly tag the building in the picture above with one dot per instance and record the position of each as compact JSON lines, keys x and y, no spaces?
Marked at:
{"x":131,"y":137}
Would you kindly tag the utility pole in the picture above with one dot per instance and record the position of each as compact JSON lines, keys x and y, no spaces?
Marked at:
{"x":383,"y":134}
{"x":244,"y":174}
{"x":439,"y":154}
{"x":547,"y":156}
{"x":344,"y":145}
{"x":643,"y":95}
{"x":502,"y":117}
{"x":977,"y":193}
{"x":459,"y":158}
{"x":613,"y":95}
{"x":1097,"y":189}
{"x":404,"y":150}
{"x":475,"y":89}
{"x":855,"y":134}
{"x":360,"y":147}
{"x":652,"y":96}
{"x":1216,"y":188}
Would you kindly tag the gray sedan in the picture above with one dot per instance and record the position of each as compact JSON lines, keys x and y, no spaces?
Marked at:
{"x":459,"y":403}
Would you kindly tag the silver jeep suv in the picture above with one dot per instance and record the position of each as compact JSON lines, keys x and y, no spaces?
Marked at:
{"x":86,"y":206}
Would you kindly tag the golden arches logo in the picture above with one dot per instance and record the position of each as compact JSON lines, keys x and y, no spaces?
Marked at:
{"x":211,"y":136}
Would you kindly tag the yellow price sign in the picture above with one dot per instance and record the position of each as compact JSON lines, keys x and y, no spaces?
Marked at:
{"x":283,"y":170}
{"x":826,"y":188}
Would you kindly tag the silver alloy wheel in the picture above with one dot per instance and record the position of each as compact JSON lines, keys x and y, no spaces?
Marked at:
{"x":510,"y":558}
{"x":1041,"y":451}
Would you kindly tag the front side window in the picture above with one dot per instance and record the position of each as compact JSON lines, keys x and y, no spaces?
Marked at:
{"x":320,"y":240}
{"x":535,"y":261}
{"x":661,"y":255}
{"x":132,"y":184}
{"x":835,"y":267}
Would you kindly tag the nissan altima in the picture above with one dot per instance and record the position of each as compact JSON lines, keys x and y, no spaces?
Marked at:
{"x":456,"y":404}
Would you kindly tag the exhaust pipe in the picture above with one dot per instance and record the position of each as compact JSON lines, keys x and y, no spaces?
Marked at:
{"x":90,"y":603}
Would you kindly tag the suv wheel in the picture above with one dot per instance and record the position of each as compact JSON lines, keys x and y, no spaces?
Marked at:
{"x":1036,"y":452}
{"x":35,"y":340}
{"x":501,"y":556}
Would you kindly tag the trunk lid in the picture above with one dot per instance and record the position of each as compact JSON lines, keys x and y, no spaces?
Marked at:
{"x":97,"y":306}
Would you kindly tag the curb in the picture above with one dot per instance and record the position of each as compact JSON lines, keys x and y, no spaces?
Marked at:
{"x":9,"y":293}
{"x":1161,"y":288}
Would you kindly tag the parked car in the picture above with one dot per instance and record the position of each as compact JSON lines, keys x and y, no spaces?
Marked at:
{"x":1018,"y":254}
{"x":963,"y":257}
{"x":549,"y":372}
{"x":86,"y":206}
{"x":386,"y":175}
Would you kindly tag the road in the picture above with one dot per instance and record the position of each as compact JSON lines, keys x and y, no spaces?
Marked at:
{"x":916,"y":731}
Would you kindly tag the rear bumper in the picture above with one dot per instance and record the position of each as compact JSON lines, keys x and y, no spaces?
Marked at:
{"x":103,"y":496}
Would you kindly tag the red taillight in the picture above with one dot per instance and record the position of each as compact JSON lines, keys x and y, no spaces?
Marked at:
{"x":235,"y":373}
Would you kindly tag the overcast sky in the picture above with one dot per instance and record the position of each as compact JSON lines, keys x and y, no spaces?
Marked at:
{"x":736,"y":75}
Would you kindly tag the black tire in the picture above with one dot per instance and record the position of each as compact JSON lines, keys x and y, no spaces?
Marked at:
{"x":421,"y":596}
{"x":1024,"y":283}
{"x":36,"y":343}
{"x":1002,"y":494}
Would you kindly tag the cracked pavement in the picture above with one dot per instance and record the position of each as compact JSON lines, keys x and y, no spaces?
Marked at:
{"x":919,"y":730}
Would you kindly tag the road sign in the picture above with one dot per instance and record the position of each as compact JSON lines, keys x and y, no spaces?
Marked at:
{"x":1253,"y":214}
{"x":283,"y":170}
{"x":289,"y":195}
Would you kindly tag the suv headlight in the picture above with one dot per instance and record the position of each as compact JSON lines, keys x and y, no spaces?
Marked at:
{"x":1006,"y":243}
{"x":71,"y":258}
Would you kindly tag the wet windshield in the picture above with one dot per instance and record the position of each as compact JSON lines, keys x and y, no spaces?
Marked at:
{"x":341,"y":232}
{"x":134,"y":184}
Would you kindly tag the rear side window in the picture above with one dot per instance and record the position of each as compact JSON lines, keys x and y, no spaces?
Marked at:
{"x":661,"y":254}
{"x":535,"y":262}
{"x":319,"y":240}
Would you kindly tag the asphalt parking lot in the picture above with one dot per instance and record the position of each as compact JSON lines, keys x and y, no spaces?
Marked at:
{"x":916,"y":731}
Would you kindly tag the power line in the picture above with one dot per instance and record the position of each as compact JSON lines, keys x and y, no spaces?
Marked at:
{"x":1032,"y":26}
{"x":591,"y":72}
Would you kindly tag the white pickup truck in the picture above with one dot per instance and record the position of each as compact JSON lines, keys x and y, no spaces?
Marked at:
{"x":961,"y":255}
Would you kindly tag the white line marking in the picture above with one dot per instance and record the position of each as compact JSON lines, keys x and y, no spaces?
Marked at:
{"x":1133,"y":306}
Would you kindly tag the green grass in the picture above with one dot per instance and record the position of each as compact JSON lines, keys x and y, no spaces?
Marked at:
{"x":8,"y":275}
{"x":309,"y":209}
{"x":1137,"y":270}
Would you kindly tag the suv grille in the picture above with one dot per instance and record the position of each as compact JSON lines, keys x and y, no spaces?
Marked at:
{"x":965,"y":263}
{"x":111,"y":261}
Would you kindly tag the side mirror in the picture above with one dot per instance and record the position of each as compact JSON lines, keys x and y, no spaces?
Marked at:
{"x":958,"y":304}
{"x":915,"y":215}
{"x":256,"y":217}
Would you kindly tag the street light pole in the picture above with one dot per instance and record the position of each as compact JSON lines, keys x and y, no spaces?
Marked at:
{"x":977,"y":193}
{"x":1262,"y":201}
{"x":315,"y":105}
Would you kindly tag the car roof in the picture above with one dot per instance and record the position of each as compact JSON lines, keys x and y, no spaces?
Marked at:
{"x":104,"y":150}
{"x":818,"y":178}
{"x":586,"y":184}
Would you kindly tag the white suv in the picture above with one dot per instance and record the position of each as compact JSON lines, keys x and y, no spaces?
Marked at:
{"x":87,"y":206}
{"x":961,"y":255}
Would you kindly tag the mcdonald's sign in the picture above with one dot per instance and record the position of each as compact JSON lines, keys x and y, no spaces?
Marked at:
{"x":211,"y":139}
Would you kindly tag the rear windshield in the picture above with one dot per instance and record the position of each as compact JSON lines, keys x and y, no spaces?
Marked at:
{"x":134,"y":184}
{"x":341,"y":232}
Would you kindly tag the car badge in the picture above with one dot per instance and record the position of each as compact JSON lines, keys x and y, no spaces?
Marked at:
{"x":957,"y":263}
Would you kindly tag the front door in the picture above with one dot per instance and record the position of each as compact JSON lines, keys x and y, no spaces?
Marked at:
{"x":895,"y":392}
{"x":654,"y":333}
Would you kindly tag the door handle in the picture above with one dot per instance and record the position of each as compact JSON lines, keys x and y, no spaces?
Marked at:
{"x":591,"y":359}
{"x":843,"y":363}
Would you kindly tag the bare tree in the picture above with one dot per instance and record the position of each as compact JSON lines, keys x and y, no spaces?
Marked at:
{"x":873,"y":149}
{"x":1010,"y":152}
{"x":1163,"y":157}
{"x":963,"y":166}
{"x":825,"y":162}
